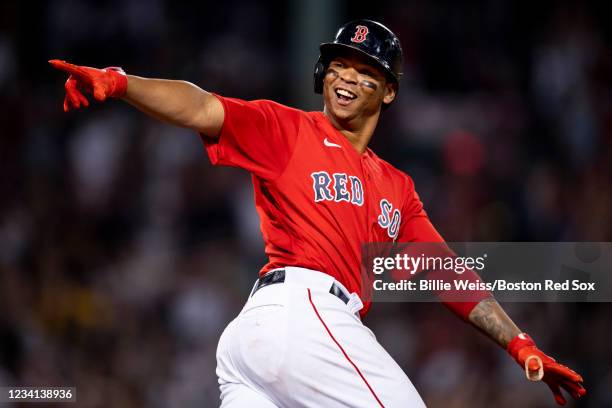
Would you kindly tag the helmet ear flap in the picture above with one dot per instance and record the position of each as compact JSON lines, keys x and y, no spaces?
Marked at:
{"x":319,"y":75}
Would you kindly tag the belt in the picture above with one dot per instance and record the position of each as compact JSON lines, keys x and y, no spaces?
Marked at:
{"x":278,"y":276}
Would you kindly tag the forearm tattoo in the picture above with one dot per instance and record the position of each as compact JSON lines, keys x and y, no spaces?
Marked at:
{"x":490,"y":318}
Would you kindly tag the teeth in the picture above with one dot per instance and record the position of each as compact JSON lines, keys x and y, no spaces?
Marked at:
{"x":345,"y":93}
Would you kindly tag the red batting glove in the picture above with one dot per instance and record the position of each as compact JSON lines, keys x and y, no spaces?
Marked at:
{"x":538,"y":366}
{"x":104,"y":83}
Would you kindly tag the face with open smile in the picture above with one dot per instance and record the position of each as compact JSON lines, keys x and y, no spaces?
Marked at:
{"x":355,"y":89}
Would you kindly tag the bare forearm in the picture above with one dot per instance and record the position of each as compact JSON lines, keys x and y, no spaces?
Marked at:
{"x":492,"y":320}
{"x":176,"y":102}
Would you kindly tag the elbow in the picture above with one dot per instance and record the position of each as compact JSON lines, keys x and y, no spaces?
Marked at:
{"x":208,"y":115}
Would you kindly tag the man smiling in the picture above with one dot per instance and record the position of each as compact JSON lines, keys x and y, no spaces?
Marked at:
{"x":320,"y":193}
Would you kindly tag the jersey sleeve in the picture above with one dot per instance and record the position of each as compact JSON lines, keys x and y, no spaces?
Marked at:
{"x":258,"y":136}
{"x":415,"y":225}
{"x":417,"y":228}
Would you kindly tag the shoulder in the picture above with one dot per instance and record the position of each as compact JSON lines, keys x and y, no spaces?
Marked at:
{"x":262,"y":115}
{"x":276,"y":107}
{"x":262,"y":106}
{"x":396,"y":175}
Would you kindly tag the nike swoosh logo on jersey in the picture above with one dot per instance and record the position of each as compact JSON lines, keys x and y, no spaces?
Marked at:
{"x":330,"y":144}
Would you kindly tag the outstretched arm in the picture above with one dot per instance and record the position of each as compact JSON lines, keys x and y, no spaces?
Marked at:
{"x":176,"y":102}
{"x":490,"y":318}
{"x":484,"y":313}
{"x":179,"y":103}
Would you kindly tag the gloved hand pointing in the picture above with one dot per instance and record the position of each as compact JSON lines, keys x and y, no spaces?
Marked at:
{"x":104,"y":83}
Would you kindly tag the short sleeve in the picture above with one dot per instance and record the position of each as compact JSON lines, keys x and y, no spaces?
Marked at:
{"x":258,"y":136}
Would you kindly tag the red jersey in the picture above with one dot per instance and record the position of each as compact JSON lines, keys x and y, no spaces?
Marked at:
{"x":318,"y":198}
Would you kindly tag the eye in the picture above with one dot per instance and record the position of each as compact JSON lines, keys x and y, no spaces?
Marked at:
{"x":369,"y":73}
{"x":336,"y":64}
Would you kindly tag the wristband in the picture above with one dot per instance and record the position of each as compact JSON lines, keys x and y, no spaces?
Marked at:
{"x":120,"y":81}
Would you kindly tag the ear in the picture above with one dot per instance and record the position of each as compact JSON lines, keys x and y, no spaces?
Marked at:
{"x":390,"y":92}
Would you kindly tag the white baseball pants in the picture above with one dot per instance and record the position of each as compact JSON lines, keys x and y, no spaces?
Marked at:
{"x":296,"y":345}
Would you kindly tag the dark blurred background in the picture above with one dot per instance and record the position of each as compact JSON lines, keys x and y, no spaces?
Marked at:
{"x":123,"y":253}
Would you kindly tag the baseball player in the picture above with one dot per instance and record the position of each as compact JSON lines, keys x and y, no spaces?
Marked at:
{"x":320,"y":193}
